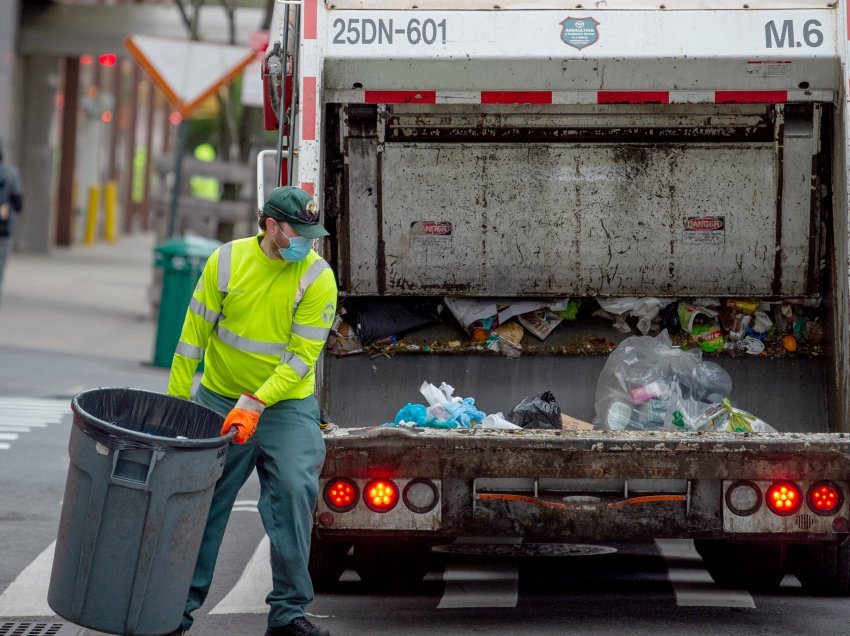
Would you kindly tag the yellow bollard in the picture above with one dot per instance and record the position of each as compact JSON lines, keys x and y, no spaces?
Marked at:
{"x":91,"y":219}
{"x":110,"y":230}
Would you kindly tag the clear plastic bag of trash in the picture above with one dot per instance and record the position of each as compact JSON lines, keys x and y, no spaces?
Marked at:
{"x":645,"y":309}
{"x":536,"y":411}
{"x":646,"y":379}
{"x":726,"y":418}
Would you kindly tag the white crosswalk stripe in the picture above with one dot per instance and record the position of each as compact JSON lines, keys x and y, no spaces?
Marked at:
{"x":21,"y":415}
{"x":249,"y":594}
{"x":693,"y":584}
{"x":476,"y":583}
{"x":27,"y":595}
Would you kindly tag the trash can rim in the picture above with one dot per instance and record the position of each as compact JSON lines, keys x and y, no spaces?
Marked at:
{"x":208,"y":442}
{"x":187,"y":246}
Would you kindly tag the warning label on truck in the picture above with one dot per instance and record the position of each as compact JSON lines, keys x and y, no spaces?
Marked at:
{"x":431,"y":231}
{"x":701,"y":230}
{"x":769,"y":68}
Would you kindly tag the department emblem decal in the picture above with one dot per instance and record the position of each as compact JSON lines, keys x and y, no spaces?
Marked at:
{"x":312,"y":210}
{"x":579,"y":32}
{"x":328,"y":313}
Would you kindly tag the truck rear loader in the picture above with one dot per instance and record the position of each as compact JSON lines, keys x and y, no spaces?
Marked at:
{"x":530,"y":150}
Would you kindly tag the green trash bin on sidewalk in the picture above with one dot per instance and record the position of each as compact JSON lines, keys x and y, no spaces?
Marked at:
{"x":140,"y":481}
{"x":182,"y":260}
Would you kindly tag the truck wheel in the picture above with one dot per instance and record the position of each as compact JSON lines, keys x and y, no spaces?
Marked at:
{"x":824,"y":568}
{"x":392,"y":564}
{"x":328,"y":559}
{"x":753,"y":566}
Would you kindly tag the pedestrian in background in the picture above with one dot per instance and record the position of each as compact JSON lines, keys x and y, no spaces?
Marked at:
{"x":259,"y":318}
{"x":11,"y":204}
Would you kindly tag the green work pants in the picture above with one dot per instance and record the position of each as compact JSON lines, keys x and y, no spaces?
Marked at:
{"x":288,"y":451}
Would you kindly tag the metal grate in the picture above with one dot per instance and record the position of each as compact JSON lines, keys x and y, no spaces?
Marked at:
{"x":524,"y":549}
{"x":804,"y":521}
{"x":31,"y":629}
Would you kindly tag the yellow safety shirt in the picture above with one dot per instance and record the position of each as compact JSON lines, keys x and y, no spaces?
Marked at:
{"x":258,"y":323}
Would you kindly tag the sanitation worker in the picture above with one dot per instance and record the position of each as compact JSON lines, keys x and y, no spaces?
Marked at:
{"x":11,"y":203}
{"x":259,"y":318}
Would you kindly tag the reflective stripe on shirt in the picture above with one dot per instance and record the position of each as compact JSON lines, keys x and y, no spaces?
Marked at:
{"x":189,"y":351}
{"x":311,"y":333}
{"x":250,"y":346}
{"x":224,"y":267}
{"x":199,"y":308}
{"x":300,"y":367}
{"x":308,"y":278}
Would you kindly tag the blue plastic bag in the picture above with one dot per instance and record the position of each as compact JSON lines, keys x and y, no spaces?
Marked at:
{"x":465,"y":415}
{"x":410,"y":413}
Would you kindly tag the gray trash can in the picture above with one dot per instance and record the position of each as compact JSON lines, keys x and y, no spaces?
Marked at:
{"x":140,"y":481}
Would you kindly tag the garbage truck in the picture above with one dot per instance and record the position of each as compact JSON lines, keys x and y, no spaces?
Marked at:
{"x":530,"y":150}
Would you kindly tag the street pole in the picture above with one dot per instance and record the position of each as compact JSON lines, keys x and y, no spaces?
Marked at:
{"x":178,"y":176}
{"x":182,"y":133}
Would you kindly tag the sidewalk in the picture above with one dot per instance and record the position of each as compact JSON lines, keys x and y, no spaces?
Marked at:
{"x":78,"y":318}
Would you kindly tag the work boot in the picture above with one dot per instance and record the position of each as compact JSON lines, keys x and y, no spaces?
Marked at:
{"x":298,"y":627}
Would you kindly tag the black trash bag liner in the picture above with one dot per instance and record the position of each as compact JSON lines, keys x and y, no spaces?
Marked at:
{"x":669,"y":317}
{"x":376,"y":318}
{"x":131,"y":418}
{"x":537,"y":411}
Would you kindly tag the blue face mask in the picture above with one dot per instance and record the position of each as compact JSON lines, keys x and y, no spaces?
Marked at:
{"x":298,"y":249}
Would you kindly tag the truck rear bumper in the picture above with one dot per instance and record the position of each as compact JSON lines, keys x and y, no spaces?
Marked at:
{"x":550,"y":485}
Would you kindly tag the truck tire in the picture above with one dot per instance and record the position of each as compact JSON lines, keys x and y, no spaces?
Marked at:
{"x":392,"y":564}
{"x":328,"y":560}
{"x":824,"y":568}
{"x":758,"y":567}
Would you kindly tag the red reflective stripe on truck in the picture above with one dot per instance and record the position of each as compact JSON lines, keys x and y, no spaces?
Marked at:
{"x":309,"y":187}
{"x":311,"y":18}
{"x":516,"y":97}
{"x":633,"y":97}
{"x":750,"y":97}
{"x":401,"y":97}
{"x":308,"y":118}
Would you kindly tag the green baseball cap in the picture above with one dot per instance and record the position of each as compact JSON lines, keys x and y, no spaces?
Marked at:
{"x":296,"y":207}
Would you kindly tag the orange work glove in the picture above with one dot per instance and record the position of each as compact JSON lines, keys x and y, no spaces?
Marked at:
{"x":244,"y":417}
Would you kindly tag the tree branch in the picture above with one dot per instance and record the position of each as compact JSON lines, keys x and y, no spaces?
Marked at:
{"x":186,"y":21}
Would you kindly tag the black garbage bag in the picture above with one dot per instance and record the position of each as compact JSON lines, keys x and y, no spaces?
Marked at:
{"x":537,"y":411}
{"x":376,"y":318}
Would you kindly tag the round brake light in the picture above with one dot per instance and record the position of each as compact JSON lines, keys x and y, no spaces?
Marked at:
{"x":380,"y":495}
{"x":784,"y":498}
{"x":341,"y":494}
{"x":825,"y":498}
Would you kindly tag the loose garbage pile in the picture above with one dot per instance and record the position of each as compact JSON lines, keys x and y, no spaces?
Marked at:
{"x":445,"y":410}
{"x":646,"y":384}
{"x":513,"y":327}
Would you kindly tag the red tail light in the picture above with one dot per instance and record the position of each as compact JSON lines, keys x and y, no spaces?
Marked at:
{"x":825,"y":498}
{"x":341,"y":494}
{"x":784,"y":498}
{"x":380,"y":495}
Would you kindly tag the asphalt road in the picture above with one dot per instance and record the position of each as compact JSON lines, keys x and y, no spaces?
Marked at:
{"x":656,"y":588}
